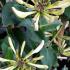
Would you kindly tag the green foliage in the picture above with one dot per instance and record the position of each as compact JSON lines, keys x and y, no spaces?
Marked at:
{"x":67,"y":12}
{"x":36,"y":26}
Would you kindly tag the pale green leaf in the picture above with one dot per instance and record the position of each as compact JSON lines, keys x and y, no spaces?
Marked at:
{"x":11,"y":45}
{"x":21,"y":14}
{"x":24,"y":3}
{"x":38,"y":58}
{"x":6,"y":60}
{"x":60,"y":4}
{"x":66,"y":37}
{"x":36,"y":19}
{"x":50,"y":17}
{"x":39,"y":48}
{"x":28,"y":55}
{"x":56,"y":11}
{"x":38,"y":66}
{"x":9,"y":68}
{"x":35,"y":51}
{"x":67,"y":49}
{"x":65,"y":68}
{"x":22,"y":48}
{"x":66,"y":52}
{"x":33,"y":1}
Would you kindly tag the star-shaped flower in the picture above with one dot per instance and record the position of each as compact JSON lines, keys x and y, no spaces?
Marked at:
{"x":22,"y":63}
{"x":50,"y":11}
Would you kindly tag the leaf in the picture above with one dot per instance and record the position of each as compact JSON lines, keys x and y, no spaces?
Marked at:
{"x":6,"y":60}
{"x":6,"y":49}
{"x":38,"y":49}
{"x":24,"y":3}
{"x":56,"y":11}
{"x":66,"y":37}
{"x":29,"y":33}
{"x":49,"y":17}
{"x":7,"y":14}
{"x":38,"y":65}
{"x":59,"y":4}
{"x":8,"y":18}
{"x":50,"y":27}
{"x":9,"y":68}
{"x":38,"y":58}
{"x":22,"y":48}
{"x":65,"y":68}
{"x":21,"y":14}
{"x":36,"y":19}
{"x":34,"y":1}
{"x":66,"y":52}
{"x":50,"y":57}
{"x":11,"y":45}
{"x":67,"y":12}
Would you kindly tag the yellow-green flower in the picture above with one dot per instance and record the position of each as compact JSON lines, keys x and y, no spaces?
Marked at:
{"x":50,"y":11}
{"x":23,"y":63}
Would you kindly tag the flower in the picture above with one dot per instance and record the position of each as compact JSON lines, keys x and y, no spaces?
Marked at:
{"x":22,"y":63}
{"x":50,"y":11}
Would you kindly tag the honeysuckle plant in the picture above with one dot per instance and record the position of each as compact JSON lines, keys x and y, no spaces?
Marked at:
{"x":23,"y":63}
{"x":46,"y":8}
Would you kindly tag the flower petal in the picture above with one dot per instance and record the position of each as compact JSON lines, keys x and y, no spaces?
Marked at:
{"x":35,"y":51}
{"x":36,"y":19}
{"x":11,"y":44}
{"x":50,"y":17}
{"x":22,"y":48}
{"x":38,"y":58}
{"x":22,"y":14}
{"x":59,"y":4}
{"x":28,"y":55}
{"x":6,"y":60}
{"x":56,"y":11}
{"x":9,"y":68}
{"x":39,"y":47}
{"x":34,"y":1}
{"x":22,"y":2}
{"x":38,"y":66}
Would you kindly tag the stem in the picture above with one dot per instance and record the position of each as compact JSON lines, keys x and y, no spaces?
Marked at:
{"x":55,"y":36}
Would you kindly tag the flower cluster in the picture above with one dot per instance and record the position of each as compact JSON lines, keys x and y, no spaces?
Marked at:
{"x":50,"y":11}
{"x":22,"y":63}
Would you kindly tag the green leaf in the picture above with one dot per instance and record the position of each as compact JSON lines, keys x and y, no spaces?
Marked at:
{"x":29,"y":32}
{"x":7,"y":14}
{"x":50,"y":27}
{"x":8,"y":17}
{"x":6,"y":49}
{"x":67,"y":12}
{"x":49,"y":57}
